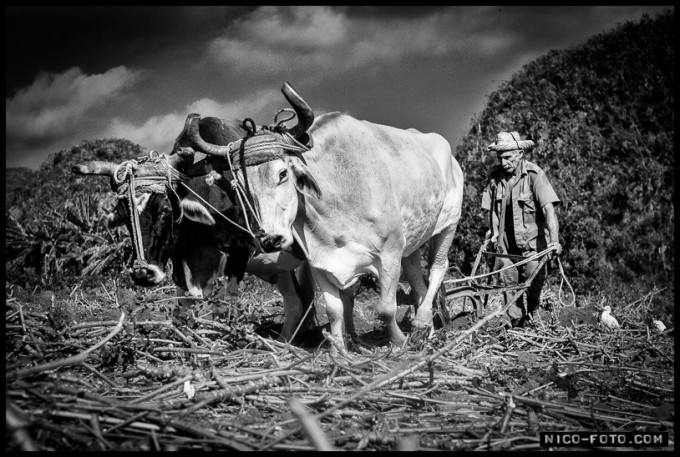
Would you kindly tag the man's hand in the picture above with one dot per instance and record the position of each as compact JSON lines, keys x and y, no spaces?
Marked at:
{"x":493,"y":239}
{"x":557,"y":246}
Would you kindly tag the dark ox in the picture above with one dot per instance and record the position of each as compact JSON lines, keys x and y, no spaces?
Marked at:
{"x":202,"y":245}
{"x":362,"y":200}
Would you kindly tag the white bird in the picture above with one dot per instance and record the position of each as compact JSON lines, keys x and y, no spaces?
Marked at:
{"x":608,"y":320}
{"x":660,"y":327}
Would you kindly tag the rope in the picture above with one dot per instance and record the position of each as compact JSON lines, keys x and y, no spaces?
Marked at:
{"x":562,"y":281}
{"x":241,"y":194}
{"x":514,"y":265}
{"x":129,"y":185}
{"x":563,"y":276}
{"x":206,"y":203}
{"x":136,"y":229}
{"x":304,"y":316}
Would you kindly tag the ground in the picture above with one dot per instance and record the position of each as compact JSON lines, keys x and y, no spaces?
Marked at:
{"x":221,"y":381}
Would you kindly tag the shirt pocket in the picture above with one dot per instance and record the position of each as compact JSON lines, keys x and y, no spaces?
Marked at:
{"x":526,"y":202}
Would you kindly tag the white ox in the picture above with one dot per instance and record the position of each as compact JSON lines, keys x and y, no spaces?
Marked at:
{"x":363,"y":200}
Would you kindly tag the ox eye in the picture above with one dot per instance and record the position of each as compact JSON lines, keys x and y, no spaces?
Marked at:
{"x":166,"y":210}
{"x":283,"y":175}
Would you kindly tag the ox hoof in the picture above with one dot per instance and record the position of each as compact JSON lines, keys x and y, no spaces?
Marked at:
{"x":420,"y":335}
{"x":335,"y":352}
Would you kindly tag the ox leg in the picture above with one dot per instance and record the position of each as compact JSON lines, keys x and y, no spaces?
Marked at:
{"x":388,"y":278}
{"x":414,"y":275}
{"x":347,"y":297}
{"x":296,"y":300}
{"x":292,"y":306}
{"x":334,"y":310}
{"x":439,"y":263}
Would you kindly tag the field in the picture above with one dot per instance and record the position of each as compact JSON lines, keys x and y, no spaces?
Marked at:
{"x":95,"y":364}
{"x":105,"y":368}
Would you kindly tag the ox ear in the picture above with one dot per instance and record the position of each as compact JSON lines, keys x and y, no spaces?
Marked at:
{"x":142,"y":201}
{"x":196,"y":212}
{"x":302,"y":178}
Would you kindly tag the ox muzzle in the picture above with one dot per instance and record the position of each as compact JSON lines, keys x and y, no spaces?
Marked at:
{"x":269,"y":242}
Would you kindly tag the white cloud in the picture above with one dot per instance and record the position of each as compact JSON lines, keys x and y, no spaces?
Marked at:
{"x":159,"y":132}
{"x":297,"y":27}
{"x":54,"y":103}
{"x":321,"y":40}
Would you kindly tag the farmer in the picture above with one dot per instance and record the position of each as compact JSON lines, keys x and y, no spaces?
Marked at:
{"x":521,"y":204}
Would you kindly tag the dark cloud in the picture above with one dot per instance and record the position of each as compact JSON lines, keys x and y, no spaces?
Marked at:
{"x":97,"y":38}
{"x":425,"y":67}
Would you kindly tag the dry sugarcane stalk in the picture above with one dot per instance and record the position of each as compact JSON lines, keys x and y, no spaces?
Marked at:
{"x":17,"y":426}
{"x":112,"y":402}
{"x":149,"y":356}
{"x":127,"y":422}
{"x":186,"y":350}
{"x":229,"y":394}
{"x":488,"y":446}
{"x":163,"y":389}
{"x":166,"y":370}
{"x":87,"y":417}
{"x":99,"y":375}
{"x":509,"y":409}
{"x":203,"y":433}
{"x":69,"y":360}
{"x":564,"y":409}
{"x":277,"y":372}
{"x":385,"y":380}
{"x":310,"y":426}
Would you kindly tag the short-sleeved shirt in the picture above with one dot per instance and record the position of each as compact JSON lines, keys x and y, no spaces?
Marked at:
{"x":525,"y":225}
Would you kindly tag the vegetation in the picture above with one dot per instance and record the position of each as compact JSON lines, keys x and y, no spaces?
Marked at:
{"x":55,"y":219}
{"x":602,"y":117}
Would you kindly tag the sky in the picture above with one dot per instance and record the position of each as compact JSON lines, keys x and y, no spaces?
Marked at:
{"x":92,"y":72}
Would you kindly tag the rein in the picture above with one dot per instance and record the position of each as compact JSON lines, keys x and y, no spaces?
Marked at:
{"x":267,"y":144}
{"x":536,"y":256}
{"x":128,"y":185}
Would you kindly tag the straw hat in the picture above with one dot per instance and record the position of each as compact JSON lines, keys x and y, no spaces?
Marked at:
{"x":510,"y":141}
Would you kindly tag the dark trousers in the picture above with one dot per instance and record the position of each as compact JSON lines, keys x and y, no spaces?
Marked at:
{"x":517,"y":312}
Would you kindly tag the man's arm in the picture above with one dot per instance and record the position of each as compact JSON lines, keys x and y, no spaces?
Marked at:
{"x":553,"y":227}
{"x":488,"y":205}
{"x":494,"y":226}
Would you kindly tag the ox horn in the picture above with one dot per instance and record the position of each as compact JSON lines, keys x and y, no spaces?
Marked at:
{"x":191,"y":128}
{"x":95,"y":168}
{"x":183,"y":159}
{"x":304,"y":113}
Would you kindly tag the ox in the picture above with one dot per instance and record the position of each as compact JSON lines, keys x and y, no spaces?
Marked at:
{"x":204,"y":244}
{"x":362,"y":200}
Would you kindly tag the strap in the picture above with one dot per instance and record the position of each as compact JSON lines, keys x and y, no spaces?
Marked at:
{"x":136,"y":229}
{"x":504,"y":204}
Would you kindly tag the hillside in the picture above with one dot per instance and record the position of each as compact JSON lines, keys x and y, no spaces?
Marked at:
{"x":602,"y":115}
{"x":54,"y":219}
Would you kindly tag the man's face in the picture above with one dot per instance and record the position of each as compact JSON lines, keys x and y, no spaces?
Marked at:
{"x":509,"y":160}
